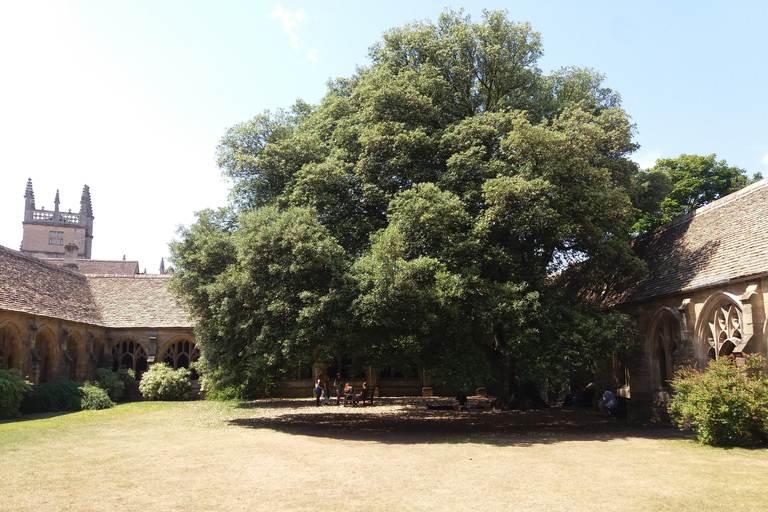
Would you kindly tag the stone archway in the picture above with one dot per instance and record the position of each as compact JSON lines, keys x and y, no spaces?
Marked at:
{"x":74,"y":357}
{"x":130,"y":353}
{"x":97,"y":351}
{"x":664,"y":345}
{"x":46,"y":355}
{"x":10,"y":346}
{"x":180,"y":352}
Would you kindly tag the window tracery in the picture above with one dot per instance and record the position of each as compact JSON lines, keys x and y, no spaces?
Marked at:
{"x":725,"y":331}
{"x":130,"y":354}
{"x":181,"y":354}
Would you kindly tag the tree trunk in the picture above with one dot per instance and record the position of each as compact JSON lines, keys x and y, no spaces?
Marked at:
{"x":514,"y":394}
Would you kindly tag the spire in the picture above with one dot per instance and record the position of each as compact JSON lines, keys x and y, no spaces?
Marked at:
{"x":162,"y":265}
{"x":56,"y":202}
{"x":85,"y":202}
{"x":29,"y":195}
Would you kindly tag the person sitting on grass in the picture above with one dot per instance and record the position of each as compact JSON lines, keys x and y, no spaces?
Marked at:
{"x":608,"y":404}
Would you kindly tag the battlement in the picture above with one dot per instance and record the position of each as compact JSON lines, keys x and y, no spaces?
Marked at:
{"x":46,"y":232}
{"x":55,"y":219}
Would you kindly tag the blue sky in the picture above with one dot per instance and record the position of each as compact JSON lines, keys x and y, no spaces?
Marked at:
{"x":132,"y":98}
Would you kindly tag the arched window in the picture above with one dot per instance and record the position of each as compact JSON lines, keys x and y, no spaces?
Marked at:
{"x":181,"y":354}
{"x":130,"y":354}
{"x":725,"y":330}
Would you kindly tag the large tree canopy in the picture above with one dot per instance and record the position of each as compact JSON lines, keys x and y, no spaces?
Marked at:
{"x":426,"y":210}
{"x":676,"y":186}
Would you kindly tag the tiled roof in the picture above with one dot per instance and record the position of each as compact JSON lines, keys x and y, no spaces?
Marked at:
{"x":723,"y":241}
{"x":30,"y":285}
{"x":139,"y":300}
{"x":101,"y":267}
{"x":40,"y":287}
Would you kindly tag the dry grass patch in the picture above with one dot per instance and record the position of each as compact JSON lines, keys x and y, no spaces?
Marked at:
{"x":291,"y":455}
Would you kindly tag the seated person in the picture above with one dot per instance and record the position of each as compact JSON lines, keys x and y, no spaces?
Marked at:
{"x":608,"y":404}
{"x":461,"y":401}
{"x":348,"y":391}
{"x":360,"y":394}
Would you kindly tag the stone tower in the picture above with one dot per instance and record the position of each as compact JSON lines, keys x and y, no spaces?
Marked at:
{"x":46,"y":233}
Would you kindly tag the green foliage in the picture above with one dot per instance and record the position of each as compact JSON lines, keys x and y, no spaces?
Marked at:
{"x":126,"y":374}
{"x":110,"y":382}
{"x":94,"y":397}
{"x":12,"y":390}
{"x":161,"y":382}
{"x":727,"y":405}
{"x":53,"y":397}
{"x":419,"y":213}
{"x":222,"y":384}
{"x":676,"y":186}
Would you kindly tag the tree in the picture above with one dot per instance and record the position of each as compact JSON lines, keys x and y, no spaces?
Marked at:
{"x":265,"y":295}
{"x":440,"y":194}
{"x":676,"y":186}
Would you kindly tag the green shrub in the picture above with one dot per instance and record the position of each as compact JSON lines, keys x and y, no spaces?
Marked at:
{"x":126,"y":374}
{"x":12,"y":389}
{"x":110,"y":382}
{"x":226,"y":394}
{"x":161,"y":382}
{"x":52,"y":397}
{"x":727,"y":405}
{"x":94,"y":398}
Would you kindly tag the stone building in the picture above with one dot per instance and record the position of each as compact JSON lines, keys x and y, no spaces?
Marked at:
{"x":47,"y":232}
{"x":61,"y":316}
{"x":705,"y":295}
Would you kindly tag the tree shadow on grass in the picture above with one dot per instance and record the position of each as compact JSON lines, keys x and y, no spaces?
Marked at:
{"x":408,"y":421}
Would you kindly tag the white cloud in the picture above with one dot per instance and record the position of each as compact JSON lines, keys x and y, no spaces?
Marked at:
{"x":312,"y":55}
{"x":646,"y":159}
{"x":290,"y":21}
{"x":765,"y":159}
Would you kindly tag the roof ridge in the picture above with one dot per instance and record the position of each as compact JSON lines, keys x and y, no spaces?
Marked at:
{"x":38,"y":261}
{"x":103,"y":261}
{"x":131,"y":276}
{"x":714,"y":205}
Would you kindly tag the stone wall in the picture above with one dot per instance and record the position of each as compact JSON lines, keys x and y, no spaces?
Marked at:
{"x":689,"y":329}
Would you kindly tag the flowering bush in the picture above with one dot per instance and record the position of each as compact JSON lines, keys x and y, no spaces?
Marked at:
{"x":161,"y":382}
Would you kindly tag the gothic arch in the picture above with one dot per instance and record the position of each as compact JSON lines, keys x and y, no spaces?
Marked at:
{"x":179,"y":352}
{"x":46,"y":354}
{"x":129,"y":352}
{"x":10,"y":345}
{"x":720,"y":325}
{"x":75,"y":356}
{"x":665,"y":341}
{"x":97,"y":351}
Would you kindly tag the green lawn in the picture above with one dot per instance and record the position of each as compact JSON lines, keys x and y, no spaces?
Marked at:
{"x":289,"y":455}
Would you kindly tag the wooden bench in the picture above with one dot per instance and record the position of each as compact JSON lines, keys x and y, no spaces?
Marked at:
{"x":365,"y":394}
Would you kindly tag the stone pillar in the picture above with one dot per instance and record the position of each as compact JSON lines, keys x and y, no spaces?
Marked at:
{"x":426,"y":389}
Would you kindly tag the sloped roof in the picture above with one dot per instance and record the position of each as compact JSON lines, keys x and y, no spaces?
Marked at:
{"x":42,"y":287}
{"x":33,"y":286}
{"x":101,"y":267}
{"x":140,"y":300}
{"x":724,"y":241}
